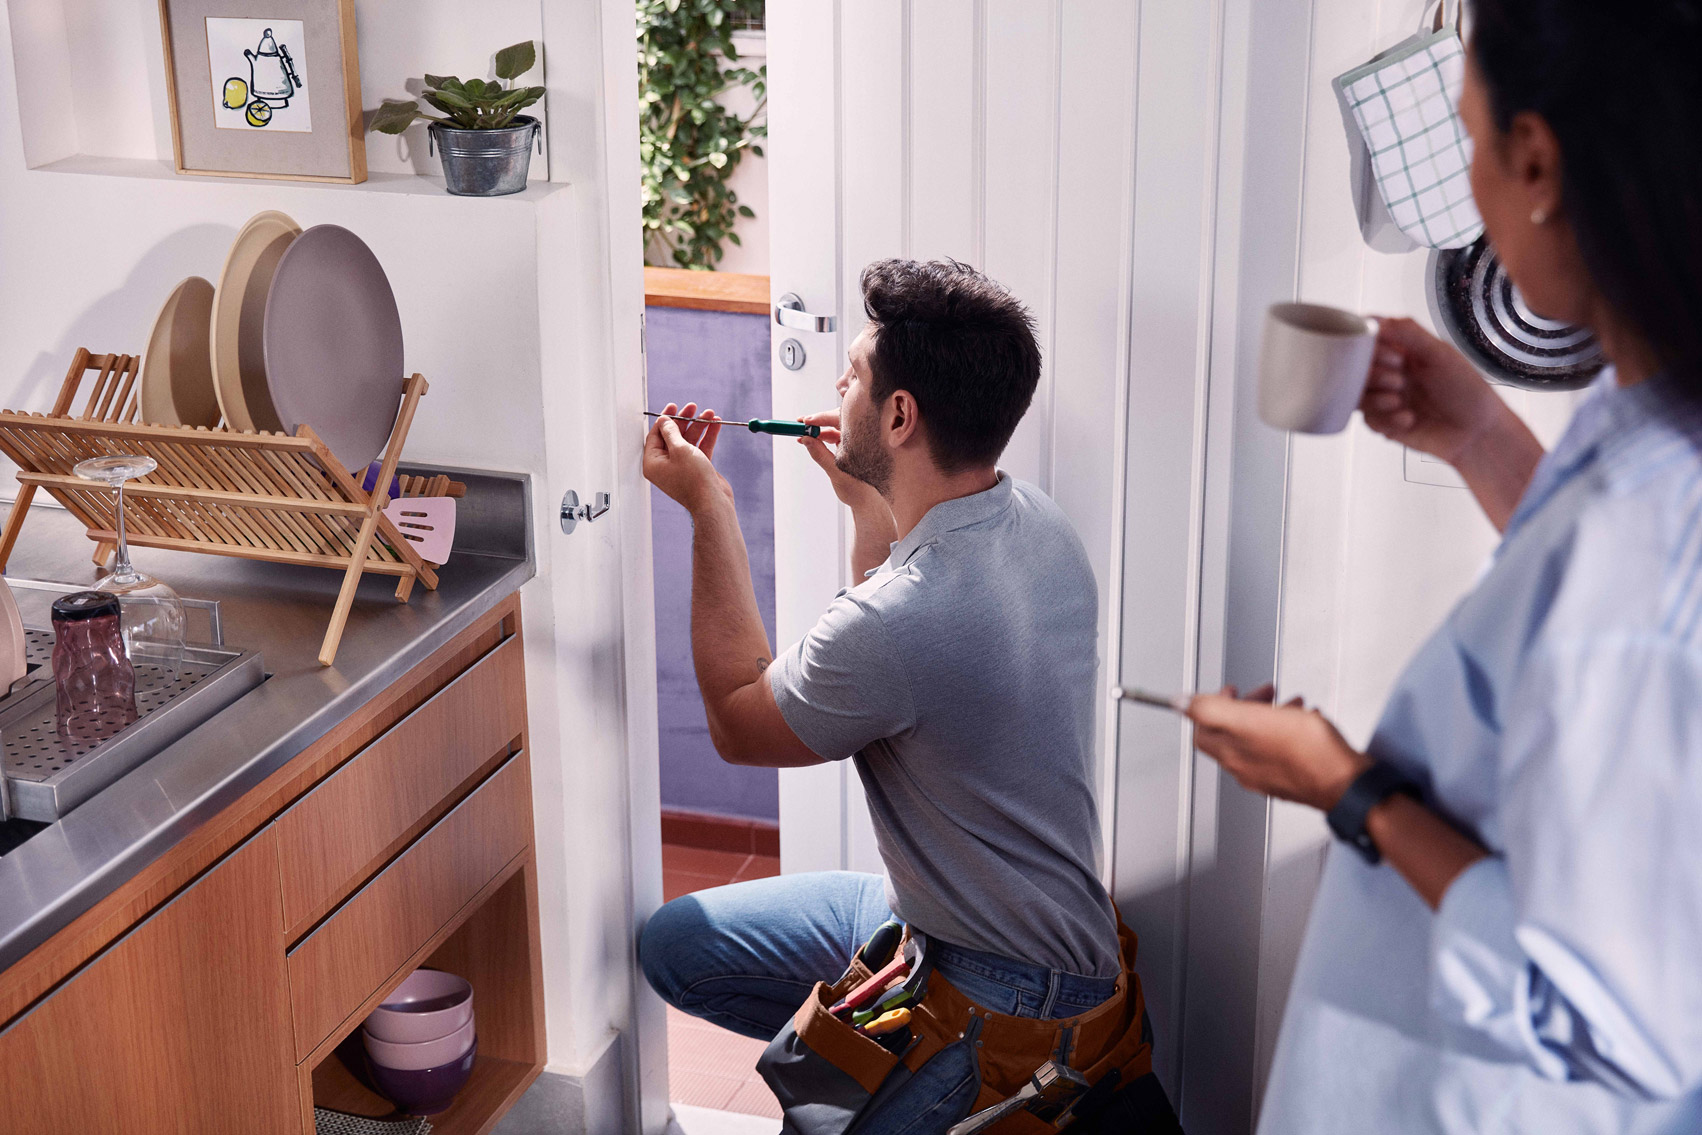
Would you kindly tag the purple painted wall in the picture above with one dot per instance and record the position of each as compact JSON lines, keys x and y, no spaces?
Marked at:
{"x":719,"y":360}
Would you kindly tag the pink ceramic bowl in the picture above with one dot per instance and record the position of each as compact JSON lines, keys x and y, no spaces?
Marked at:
{"x":417,"y":1057}
{"x":428,"y":1005}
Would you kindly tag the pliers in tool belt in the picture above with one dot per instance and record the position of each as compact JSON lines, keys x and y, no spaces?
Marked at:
{"x":1051,"y":1084}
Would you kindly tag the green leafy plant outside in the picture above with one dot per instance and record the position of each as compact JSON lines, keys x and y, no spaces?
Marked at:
{"x":689,"y":144}
{"x":470,"y":104}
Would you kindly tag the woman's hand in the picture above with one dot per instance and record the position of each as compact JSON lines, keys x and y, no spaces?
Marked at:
{"x":1424,"y":394}
{"x":1286,"y":751}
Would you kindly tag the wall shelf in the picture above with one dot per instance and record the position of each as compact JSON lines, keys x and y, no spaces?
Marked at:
{"x":408,"y":185}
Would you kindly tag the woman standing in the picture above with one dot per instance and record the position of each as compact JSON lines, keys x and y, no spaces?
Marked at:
{"x":1512,"y":938}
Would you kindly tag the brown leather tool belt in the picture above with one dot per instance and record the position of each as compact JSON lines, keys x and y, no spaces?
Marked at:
{"x":832,"y":1079}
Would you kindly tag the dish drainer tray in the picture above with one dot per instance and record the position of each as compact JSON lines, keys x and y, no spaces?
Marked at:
{"x":43,"y":775}
{"x":256,"y":495}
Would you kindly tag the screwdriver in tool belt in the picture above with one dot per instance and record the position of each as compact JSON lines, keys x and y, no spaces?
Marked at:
{"x":755,"y":425}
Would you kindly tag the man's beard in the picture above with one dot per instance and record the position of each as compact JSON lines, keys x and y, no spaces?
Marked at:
{"x":861,"y":454}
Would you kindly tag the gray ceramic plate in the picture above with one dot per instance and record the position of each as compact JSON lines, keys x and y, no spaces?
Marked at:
{"x":334,"y":344}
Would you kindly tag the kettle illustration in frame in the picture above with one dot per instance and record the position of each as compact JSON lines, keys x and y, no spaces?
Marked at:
{"x":271,"y":72}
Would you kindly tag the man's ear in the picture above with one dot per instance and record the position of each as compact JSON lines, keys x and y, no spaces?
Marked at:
{"x":899,"y":419}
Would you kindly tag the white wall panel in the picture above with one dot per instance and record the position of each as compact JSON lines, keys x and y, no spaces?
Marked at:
{"x":940,"y":47}
{"x":873,"y":140}
{"x":1087,"y":363}
{"x":1022,"y":177}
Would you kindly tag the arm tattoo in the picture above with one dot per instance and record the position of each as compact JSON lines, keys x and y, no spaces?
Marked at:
{"x":761,"y":665}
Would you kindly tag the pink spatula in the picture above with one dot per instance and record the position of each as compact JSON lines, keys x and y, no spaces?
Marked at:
{"x":426,"y":522}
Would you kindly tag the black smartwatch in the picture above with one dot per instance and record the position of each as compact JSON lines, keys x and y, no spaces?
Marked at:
{"x":1369,"y":789}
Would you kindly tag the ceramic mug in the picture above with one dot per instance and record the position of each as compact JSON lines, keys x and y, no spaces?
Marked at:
{"x":1313,"y":366}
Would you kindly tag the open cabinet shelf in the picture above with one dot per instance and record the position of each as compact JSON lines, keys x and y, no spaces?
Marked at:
{"x":496,"y":1083}
{"x":489,"y":946}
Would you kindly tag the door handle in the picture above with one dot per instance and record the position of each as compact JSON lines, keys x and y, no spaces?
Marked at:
{"x":789,"y":312}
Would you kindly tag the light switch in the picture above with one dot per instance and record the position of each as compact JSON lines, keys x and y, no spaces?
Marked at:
{"x":1423,"y":469}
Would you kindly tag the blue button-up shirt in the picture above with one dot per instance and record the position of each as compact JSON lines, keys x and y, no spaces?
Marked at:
{"x":1557,"y":717}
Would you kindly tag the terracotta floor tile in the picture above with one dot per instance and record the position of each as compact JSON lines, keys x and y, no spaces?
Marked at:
{"x":677,"y":883}
{"x":754,"y":1098}
{"x":702,"y":861}
{"x":718,"y":1053}
{"x":701,"y":1090}
{"x":759,"y":867}
{"x":707,"y":1065}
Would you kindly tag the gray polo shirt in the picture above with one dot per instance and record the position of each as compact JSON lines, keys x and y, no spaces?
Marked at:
{"x":960,"y":678}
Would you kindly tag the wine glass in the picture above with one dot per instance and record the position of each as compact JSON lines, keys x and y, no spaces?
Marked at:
{"x":150,"y":612}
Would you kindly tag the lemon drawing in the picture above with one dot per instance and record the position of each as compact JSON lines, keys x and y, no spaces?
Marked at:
{"x":236,"y":94}
{"x":259,"y":113}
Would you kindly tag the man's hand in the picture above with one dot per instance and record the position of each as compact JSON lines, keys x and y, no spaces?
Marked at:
{"x":677,"y":458}
{"x":874,"y":530}
{"x":851,"y":492}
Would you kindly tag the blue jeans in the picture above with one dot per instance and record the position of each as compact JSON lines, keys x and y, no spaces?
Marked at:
{"x":745,"y":956}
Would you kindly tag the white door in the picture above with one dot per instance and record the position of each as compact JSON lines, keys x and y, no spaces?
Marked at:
{"x":1068,"y":148}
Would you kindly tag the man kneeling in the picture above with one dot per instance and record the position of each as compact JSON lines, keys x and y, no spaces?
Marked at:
{"x":959,"y":675}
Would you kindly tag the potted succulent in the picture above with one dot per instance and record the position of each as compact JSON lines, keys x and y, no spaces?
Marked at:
{"x":485,"y":142}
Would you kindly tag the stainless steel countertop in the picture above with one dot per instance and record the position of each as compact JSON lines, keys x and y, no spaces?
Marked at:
{"x":281,"y":611}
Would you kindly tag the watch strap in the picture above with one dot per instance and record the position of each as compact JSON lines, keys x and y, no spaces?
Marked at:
{"x":1369,"y":789}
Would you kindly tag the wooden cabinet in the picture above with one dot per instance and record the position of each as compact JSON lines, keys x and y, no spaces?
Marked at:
{"x":181,"y":1025}
{"x":382,"y":799}
{"x":402,"y":838}
{"x":372,"y":936}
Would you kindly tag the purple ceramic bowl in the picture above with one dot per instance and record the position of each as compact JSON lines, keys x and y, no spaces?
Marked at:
{"x":424,"y":1054}
{"x":425,"y":1091}
{"x":427,"y":1005}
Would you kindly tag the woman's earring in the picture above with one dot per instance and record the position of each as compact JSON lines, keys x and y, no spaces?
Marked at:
{"x":1539,"y":216}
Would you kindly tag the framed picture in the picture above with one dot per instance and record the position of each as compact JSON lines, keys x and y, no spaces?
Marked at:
{"x":264,"y":88}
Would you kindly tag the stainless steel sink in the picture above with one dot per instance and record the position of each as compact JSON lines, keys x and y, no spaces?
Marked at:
{"x":43,"y":775}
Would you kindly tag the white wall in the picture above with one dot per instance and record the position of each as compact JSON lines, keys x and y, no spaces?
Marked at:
{"x":750,"y":180}
{"x":527,"y":362}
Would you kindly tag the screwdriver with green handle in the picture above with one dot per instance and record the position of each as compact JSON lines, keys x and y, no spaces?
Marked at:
{"x":755,"y":425}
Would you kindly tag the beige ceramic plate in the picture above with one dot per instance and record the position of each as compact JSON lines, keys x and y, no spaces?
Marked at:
{"x":177,"y":371}
{"x":334,"y":344}
{"x":239,"y":319}
{"x":12,"y":665}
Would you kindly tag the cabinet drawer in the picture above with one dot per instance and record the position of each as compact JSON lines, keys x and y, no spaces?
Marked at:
{"x":334,"y":969}
{"x":368,"y":809}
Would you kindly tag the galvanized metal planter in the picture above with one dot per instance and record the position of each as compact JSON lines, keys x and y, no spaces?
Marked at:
{"x":487,"y":163}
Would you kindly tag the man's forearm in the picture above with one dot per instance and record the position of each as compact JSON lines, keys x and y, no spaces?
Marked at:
{"x":729,"y":647}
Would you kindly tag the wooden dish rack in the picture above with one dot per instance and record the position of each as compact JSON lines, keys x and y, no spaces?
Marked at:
{"x":256,"y":495}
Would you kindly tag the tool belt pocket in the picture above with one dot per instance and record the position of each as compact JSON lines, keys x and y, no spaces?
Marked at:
{"x":821,"y":1069}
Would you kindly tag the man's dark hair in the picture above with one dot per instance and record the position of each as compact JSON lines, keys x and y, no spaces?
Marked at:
{"x":961,"y":345}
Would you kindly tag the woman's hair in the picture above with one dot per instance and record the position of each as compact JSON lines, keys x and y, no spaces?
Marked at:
{"x":1620,"y":84}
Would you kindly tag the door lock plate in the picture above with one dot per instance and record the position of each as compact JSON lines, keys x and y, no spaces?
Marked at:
{"x":792,"y":354}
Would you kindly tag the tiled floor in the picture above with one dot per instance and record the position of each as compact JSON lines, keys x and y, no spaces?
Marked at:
{"x":708,"y":1066}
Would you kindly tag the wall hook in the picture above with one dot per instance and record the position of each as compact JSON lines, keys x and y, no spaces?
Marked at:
{"x":572,"y":512}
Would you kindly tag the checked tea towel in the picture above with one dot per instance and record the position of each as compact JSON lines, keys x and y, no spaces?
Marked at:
{"x":1403,"y":104}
